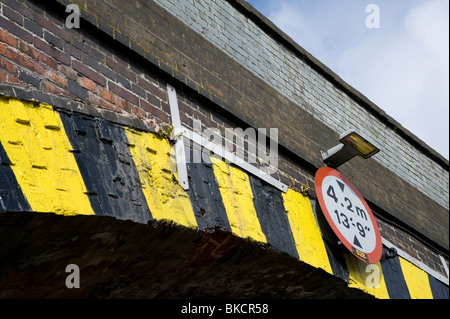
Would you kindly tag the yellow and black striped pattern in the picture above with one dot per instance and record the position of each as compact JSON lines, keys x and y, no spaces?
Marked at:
{"x":70,"y":164}
{"x":39,"y":150}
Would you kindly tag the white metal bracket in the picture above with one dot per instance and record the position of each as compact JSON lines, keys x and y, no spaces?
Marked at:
{"x":181,"y":132}
{"x":179,"y":144}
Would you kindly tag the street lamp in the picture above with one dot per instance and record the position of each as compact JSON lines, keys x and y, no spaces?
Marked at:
{"x":352,"y":144}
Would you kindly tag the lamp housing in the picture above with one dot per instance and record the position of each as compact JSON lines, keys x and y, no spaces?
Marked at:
{"x":352,"y":144}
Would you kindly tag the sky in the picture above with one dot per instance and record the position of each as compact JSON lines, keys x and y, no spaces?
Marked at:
{"x":400,"y":62}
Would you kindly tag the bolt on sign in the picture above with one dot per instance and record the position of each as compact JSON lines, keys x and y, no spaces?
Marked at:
{"x":348,"y":214}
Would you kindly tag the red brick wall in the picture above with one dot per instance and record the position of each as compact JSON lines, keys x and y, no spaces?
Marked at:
{"x":37,"y":50}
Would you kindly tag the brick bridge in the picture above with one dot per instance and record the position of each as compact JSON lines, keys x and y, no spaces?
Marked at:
{"x":97,"y":126}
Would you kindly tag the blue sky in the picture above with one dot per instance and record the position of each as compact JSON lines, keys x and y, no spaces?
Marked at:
{"x":402,"y":66}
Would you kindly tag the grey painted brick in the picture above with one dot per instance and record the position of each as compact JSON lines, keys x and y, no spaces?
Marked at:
{"x":33,"y":27}
{"x":24,"y":76}
{"x":77,"y":90}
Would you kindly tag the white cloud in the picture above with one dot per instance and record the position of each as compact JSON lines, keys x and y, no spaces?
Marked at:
{"x":322,"y":28}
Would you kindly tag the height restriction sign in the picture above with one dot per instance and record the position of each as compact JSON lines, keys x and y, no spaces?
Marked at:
{"x":348,"y":214}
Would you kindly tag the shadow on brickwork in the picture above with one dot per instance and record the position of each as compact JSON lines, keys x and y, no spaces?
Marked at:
{"x":160,"y":259}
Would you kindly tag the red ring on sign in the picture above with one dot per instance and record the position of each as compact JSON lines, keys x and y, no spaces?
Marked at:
{"x":323,"y":172}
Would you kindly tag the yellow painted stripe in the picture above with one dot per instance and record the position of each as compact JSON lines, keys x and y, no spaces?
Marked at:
{"x":237,"y":197}
{"x":416,"y":280}
{"x":157,"y":172}
{"x":33,"y":136}
{"x":367,"y":277}
{"x":308,"y":239}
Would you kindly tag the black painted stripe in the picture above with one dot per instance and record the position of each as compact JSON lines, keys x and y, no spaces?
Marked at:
{"x":11,"y":195}
{"x":204,"y":194}
{"x":337,"y":260}
{"x":334,"y":250}
{"x":107,"y":168}
{"x":438,"y":289}
{"x":393,"y":277}
{"x":272,"y":216}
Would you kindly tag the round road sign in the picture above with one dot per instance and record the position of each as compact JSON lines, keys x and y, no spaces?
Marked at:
{"x":348,"y":214}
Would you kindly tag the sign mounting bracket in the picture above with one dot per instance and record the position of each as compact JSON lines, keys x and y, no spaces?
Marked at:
{"x":182,"y":132}
{"x":179,"y":144}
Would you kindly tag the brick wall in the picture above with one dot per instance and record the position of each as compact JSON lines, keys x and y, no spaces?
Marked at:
{"x":201,"y":69}
{"x":246,"y":43}
{"x":38,"y":51}
{"x":118,"y":71}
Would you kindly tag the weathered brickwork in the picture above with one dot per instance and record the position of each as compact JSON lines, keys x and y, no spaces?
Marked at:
{"x":107,"y":80}
{"x":107,"y":169}
{"x":230,"y":88}
{"x":37,"y":50}
{"x":240,"y":38}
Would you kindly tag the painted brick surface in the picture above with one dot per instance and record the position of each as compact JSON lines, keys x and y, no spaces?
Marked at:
{"x":102,"y":153}
{"x":272,"y":214}
{"x":40,"y":156}
{"x":158,"y":177}
{"x":238,"y":93}
{"x":395,"y":282}
{"x":129,"y":174}
{"x":241,"y":39}
{"x":107,"y":94}
{"x":205,"y":196}
{"x":11,"y":199}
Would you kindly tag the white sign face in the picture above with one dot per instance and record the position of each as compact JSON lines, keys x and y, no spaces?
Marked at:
{"x":348,"y":214}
